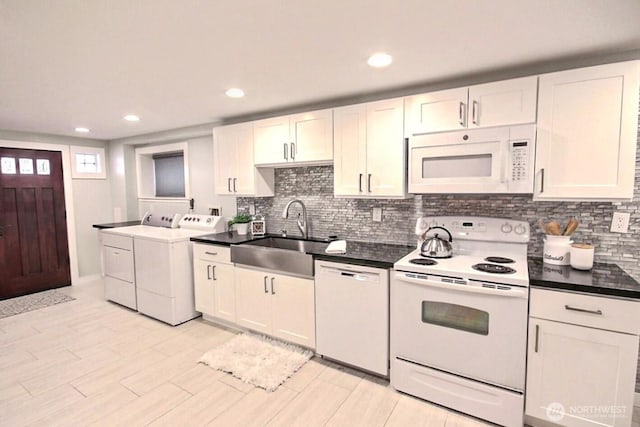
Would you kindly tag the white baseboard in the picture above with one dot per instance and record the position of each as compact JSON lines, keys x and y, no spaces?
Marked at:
{"x":83,"y":280}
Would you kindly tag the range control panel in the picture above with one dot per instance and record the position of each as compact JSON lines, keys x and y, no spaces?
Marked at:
{"x":478,"y":228}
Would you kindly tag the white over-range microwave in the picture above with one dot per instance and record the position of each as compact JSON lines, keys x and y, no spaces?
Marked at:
{"x":493,"y":160}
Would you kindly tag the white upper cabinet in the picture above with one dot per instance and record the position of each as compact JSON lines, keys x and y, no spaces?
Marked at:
{"x":587,"y":131}
{"x":500,"y":103}
{"x":305,"y":138}
{"x":370,"y":150}
{"x":235,"y":172}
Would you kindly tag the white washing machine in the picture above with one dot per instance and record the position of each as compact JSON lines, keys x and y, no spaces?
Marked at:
{"x":163,"y":265}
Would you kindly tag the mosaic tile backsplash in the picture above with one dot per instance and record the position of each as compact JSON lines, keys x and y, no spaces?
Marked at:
{"x":351,"y":219}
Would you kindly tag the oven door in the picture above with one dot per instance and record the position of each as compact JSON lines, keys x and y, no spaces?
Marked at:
{"x":467,"y":330}
{"x":459,"y":162}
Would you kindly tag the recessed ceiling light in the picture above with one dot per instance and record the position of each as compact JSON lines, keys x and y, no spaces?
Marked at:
{"x":234,"y":92}
{"x":132,"y":118}
{"x":82,"y":130}
{"x":379,"y":60}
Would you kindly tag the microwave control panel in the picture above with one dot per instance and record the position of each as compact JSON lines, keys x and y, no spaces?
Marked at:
{"x":519,"y":160}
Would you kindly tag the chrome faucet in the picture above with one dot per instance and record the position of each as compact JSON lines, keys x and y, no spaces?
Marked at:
{"x":302,"y":225}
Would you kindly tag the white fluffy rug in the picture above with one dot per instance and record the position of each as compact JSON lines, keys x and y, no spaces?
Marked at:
{"x":258,"y":360}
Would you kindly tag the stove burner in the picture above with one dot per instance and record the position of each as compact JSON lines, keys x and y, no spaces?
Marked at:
{"x":494,"y":268}
{"x":423,"y":261}
{"x":499,"y":260}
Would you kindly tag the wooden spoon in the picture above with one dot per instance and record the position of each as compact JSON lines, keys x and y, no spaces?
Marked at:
{"x":571,"y":227}
{"x":553,"y":227}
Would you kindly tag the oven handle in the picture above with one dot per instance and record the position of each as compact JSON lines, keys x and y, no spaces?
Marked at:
{"x":514,"y":292}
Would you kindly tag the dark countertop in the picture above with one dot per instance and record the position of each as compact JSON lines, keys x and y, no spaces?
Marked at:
{"x":603,"y":279}
{"x":116,"y":224}
{"x":378,"y":255}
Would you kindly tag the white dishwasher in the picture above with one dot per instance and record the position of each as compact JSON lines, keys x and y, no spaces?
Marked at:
{"x":352,"y":315}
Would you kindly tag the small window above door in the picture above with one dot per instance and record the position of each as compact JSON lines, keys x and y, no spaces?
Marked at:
{"x":87,"y":162}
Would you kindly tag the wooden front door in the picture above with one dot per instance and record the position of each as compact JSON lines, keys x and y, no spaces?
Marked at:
{"x":34,"y":252}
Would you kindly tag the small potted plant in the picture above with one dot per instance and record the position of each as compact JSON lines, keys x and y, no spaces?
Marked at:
{"x":241,"y":222}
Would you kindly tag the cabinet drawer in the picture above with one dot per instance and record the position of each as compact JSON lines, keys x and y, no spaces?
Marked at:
{"x":116,"y":241}
{"x":118,"y":263}
{"x":586,"y":310}
{"x":212,"y":253}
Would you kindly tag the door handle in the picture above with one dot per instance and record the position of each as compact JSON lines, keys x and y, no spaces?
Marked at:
{"x":273,"y":292}
{"x":541,"y":180}
{"x":583,"y":310}
{"x":234,"y":185}
{"x":208,"y":271}
{"x":474,"y":112}
{"x":461,"y":114}
{"x":286,"y":151}
{"x":537,"y":338}
{"x":213,"y":272}
{"x":229,"y":184}
{"x":360,"y":183}
{"x":369,"y":183}
{"x":293,"y":151}
{"x":265,"y":285}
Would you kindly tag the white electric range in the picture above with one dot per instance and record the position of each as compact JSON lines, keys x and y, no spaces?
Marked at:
{"x":163,"y":264}
{"x":459,"y":324}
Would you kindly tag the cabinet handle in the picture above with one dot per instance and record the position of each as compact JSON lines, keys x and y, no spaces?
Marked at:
{"x":474,"y":112}
{"x":272,"y":291}
{"x":286,"y":151}
{"x":537,"y":338}
{"x":541,"y":180}
{"x":265,"y":285}
{"x":234,"y":185}
{"x":211,"y":253}
{"x":583,"y":310}
{"x":208,"y":271}
{"x":369,"y":183}
{"x":293,"y":151}
{"x":229,"y":184}
{"x":360,"y":183}
{"x":461,"y":114}
{"x":213,"y":272}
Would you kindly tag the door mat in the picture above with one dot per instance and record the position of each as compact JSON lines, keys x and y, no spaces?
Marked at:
{"x":258,"y":360}
{"x":13,"y":306}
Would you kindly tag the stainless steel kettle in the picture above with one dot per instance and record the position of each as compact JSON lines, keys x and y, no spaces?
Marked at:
{"x":436,"y":247}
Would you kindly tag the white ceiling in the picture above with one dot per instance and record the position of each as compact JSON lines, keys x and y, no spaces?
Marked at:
{"x":71,"y":63}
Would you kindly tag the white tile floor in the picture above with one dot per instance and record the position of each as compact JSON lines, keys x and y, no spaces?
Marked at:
{"x":91,"y":362}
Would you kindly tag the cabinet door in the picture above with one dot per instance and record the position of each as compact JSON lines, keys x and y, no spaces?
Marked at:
{"x":271,"y":141}
{"x":386,"y":163}
{"x":437,"y":111}
{"x":502,"y":103}
{"x":253,"y":300}
{"x":224,"y":291}
{"x":203,"y":287}
{"x":312,"y":136}
{"x":587,"y":129}
{"x":224,"y":158}
{"x":350,"y":150}
{"x":583,"y":369}
{"x":293,"y":309}
{"x":243,"y":182}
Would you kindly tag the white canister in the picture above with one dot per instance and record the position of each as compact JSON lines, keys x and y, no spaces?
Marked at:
{"x":582,"y":256}
{"x":557,"y":250}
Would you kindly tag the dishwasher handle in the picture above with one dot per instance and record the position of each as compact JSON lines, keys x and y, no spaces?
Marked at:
{"x":351,"y":275}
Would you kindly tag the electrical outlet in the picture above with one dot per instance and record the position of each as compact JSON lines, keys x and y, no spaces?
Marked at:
{"x":377,"y":214}
{"x":620,"y":222}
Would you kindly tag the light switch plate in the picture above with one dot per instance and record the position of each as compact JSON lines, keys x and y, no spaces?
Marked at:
{"x":377,"y":214}
{"x":620,"y":222}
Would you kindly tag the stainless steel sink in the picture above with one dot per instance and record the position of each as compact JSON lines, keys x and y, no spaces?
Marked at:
{"x":278,"y":253}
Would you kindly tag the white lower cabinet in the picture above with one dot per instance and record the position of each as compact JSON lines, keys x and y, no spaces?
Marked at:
{"x":118,"y":269}
{"x":214,"y":282}
{"x":275,"y":304}
{"x":582,"y":359}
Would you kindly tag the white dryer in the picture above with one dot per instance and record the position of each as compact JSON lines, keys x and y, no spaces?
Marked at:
{"x":163,"y":265}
